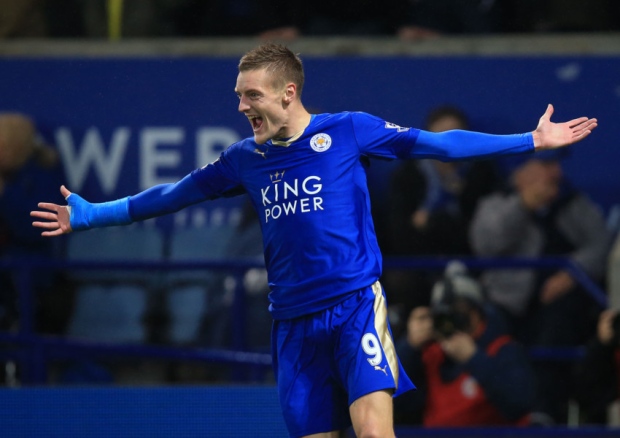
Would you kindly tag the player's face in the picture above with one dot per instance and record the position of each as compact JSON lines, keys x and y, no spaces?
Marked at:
{"x":263,"y":104}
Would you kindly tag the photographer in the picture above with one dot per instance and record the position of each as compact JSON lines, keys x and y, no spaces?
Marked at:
{"x":598,"y":375}
{"x":468,"y":371}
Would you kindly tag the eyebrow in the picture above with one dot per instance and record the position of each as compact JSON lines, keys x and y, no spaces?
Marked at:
{"x":249,"y":90}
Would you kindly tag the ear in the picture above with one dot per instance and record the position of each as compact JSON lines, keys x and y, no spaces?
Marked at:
{"x":290,"y":91}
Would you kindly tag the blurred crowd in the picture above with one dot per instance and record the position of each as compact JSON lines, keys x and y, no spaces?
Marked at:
{"x":289,"y":19}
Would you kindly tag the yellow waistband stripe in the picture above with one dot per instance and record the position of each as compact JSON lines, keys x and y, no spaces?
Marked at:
{"x":381,"y":326}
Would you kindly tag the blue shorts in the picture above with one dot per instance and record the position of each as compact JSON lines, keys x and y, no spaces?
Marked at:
{"x":325,"y":361}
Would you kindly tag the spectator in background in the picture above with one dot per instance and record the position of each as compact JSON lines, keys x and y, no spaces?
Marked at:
{"x":553,"y":16}
{"x":469,"y":371}
{"x":433,"y":18}
{"x":597,"y":380}
{"x":289,"y":19}
{"x":29,"y":170}
{"x":542,"y":214}
{"x":22,"y":19}
{"x":430,"y":206}
{"x":156,"y":19}
{"x":267,"y":19}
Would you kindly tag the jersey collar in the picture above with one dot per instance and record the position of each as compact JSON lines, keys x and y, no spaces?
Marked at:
{"x":286,"y":142}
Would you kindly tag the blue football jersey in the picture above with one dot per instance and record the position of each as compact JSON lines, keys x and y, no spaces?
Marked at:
{"x":313,"y":202}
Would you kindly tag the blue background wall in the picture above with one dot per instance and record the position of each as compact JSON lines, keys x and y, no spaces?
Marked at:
{"x":222,"y":412}
{"x":141,"y":412}
{"x":122,"y":124}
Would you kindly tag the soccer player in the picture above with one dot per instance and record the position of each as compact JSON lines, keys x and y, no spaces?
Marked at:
{"x":333,"y":352}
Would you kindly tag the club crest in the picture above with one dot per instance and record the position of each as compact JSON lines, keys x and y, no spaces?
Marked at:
{"x":320,"y":142}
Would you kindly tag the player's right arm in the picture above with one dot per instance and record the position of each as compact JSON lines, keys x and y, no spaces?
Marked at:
{"x":80,"y":214}
{"x":217,"y":179}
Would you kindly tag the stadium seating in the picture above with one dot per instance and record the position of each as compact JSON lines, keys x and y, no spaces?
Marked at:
{"x":111,"y":304}
{"x":191,"y":293}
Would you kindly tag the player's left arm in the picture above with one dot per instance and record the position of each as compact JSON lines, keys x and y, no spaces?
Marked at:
{"x":459,"y":144}
{"x":378,"y":138}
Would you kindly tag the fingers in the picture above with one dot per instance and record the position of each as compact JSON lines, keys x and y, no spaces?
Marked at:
{"x":581,"y":128}
{"x":581,"y":121}
{"x":584,"y":129}
{"x":64,"y":192}
{"x":50,"y":220}
{"x":590,"y":124}
{"x":52,"y":228}
{"x":582,"y":132}
{"x":46,"y":225}
{"x":49,"y":206}
{"x":50,"y":224}
{"x":44,"y":215}
{"x":576,"y":122}
{"x":548,"y":112}
{"x":581,"y":136}
{"x":56,"y":232}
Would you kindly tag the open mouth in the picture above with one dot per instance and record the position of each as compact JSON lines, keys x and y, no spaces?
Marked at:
{"x":256,"y":122}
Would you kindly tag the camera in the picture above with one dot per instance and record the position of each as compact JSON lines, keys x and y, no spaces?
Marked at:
{"x":450,"y":315}
{"x":452,"y":299}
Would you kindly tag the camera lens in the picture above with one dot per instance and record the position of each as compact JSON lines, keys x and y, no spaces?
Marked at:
{"x":444,"y":324}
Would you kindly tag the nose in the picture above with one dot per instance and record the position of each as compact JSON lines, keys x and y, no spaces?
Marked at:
{"x":243,"y":105}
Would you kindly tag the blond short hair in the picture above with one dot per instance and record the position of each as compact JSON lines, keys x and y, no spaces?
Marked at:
{"x":283,"y":65}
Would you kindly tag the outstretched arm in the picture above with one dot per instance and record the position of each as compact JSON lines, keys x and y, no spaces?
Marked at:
{"x":82,"y":215}
{"x":458,"y":144}
{"x":549,"y":135}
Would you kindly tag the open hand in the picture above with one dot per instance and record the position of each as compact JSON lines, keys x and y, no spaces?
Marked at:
{"x":57,"y":219}
{"x":549,"y":135}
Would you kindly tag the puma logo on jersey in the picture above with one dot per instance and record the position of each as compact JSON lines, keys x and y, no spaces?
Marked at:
{"x":378,"y":368}
{"x":389,"y":125}
{"x":259,"y":152}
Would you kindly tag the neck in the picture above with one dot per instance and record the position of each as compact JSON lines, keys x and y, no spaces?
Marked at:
{"x":298,"y":121}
